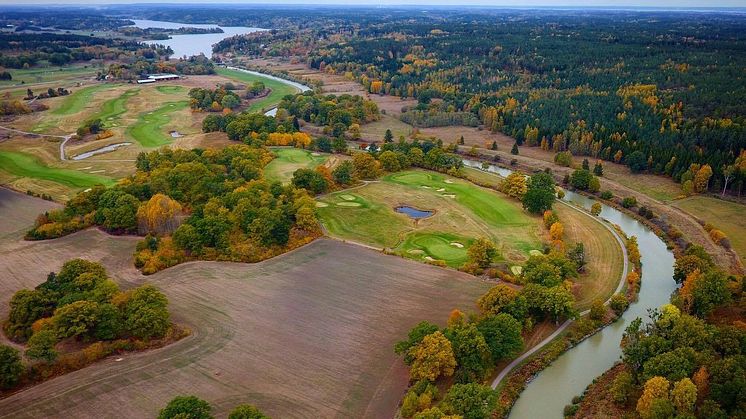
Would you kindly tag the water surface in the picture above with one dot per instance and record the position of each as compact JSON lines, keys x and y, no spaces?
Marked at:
{"x":413,"y":212}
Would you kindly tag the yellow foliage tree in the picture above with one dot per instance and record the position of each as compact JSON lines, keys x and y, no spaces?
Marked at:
{"x":158,"y":215}
{"x":514,"y":185}
{"x":655,"y":388}
{"x":684,"y":395}
{"x":702,"y":178}
{"x":433,"y":358}
{"x":556,"y":231}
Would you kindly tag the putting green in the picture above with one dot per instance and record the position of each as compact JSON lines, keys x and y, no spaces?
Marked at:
{"x":368,"y":215}
{"x":436,"y":245}
{"x":148,"y":130}
{"x":26,"y":165}
{"x":113,"y":108}
{"x":278,"y":89}
{"x":288,"y":160}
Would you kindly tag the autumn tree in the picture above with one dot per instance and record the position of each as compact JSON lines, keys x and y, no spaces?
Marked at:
{"x":684,"y":395}
{"x":471,"y":352}
{"x":246,"y":411}
{"x":415,"y":336}
{"x":654,"y":388}
{"x":481,"y":252}
{"x":433,"y":358}
{"x":596,"y":209}
{"x":366,"y":166}
{"x":41,"y":346}
{"x":145,"y":312}
{"x":702,"y":178}
{"x":514,"y":185}
{"x":470,"y":401}
{"x":158,"y":215}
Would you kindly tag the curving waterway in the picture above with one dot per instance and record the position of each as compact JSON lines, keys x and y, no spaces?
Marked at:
{"x":554,"y":387}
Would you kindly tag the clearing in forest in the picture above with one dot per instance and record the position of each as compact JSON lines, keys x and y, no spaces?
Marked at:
{"x":288,"y":160}
{"x":278,"y":89}
{"x":462,"y":213}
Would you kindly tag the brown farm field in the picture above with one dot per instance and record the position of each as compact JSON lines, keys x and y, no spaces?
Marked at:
{"x":306,"y":334}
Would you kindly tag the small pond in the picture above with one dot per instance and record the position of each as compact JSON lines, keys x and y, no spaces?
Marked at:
{"x":413,"y":212}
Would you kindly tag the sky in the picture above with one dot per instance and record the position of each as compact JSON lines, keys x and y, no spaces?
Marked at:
{"x":504,"y":3}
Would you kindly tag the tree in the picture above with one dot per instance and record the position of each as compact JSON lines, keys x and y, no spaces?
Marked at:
{"x":637,"y":161}
{"x":158,"y":215}
{"x":310,"y":180}
{"x":481,"y":252}
{"x":708,"y":291}
{"x":41,"y":346}
{"x":619,"y":303}
{"x":26,"y":307}
{"x":563,"y":158}
{"x":598,"y":169}
{"x":702,"y":179}
{"x":684,"y":395}
{"x":556,"y":231}
{"x":502,"y":333}
{"x":433,"y":358}
{"x":388,"y":137}
{"x":581,"y":179}
{"x":539,"y":195}
{"x":246,"y":411}
{"x":186,"y":407}
{"x":11,"y":367}
{"x":77,"y":319}
{"x":230,"y":101}
{"x":672,"y":365}
{"x":558,"y":302}
{"x":596,"y":208}
{"x":622,"y":387}
{"x":366,"y":167}
{"x":145,"y":313}
{"x":471,"y":352}
{"x":343,"y":173}
{"x":514,"y":150}
{"x":514,"y":185}
{"x":594,"y":185}
{"x":655,"y":388}
{"x":598,"y":310}
{"x":389,"y":161}
{"x":538,"y":270}
{"x":470,"y":401}
{"x":414,"y":338}
{"x":498,"y":299}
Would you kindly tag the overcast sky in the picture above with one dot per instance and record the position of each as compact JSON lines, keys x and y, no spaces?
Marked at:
{"x":510,"y":3}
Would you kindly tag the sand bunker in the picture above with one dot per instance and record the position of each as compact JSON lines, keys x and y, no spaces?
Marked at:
{"x":97,"y":171}
{"x":347,"y":197}
{"x":315,"y":154}
{"x":429,"y":258}
{"x":348,"y":204}
{"x":535,"y":252}
{"x":321,"y":204}
{"x":425,"y":186}
{"x":448,"y":181}
{"x":415,"y":252}
{"x":442,"y":190}
{"x":449,"y":195}
{"x":517,"y":270}
{"x":457,"y":244}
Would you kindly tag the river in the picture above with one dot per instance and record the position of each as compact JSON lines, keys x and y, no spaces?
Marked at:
{"x":546,"y":396}
{"x":192,"y":44}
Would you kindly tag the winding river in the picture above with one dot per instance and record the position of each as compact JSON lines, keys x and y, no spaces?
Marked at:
{"x":553,"y":388}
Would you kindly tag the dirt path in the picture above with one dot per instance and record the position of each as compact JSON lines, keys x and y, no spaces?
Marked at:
{"x":65,"y":138}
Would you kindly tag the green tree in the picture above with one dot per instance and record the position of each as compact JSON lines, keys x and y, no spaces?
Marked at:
{"x":77,"y":319}
{"x":581,"y":179}
{"x":246,"y":411}
{"x":502,"y":333}
{"x":145,"y":313}
{"x":709,"y":291}
{"x":41,"y":346}
{"x":343,"y":174}
{"x":622,"y":387}
{"x":310,"y":180}
{"x":11,"y":367}
{"x":684,"y":395}
{"x":186,"y":407}
{"x":471,"y":401}
{"x":471,"y":351}
{"x":598,"y":169}
{"x":637,"y":161}
{"x":26,"y":307}
{"x":514,"y":150}
{"x":389,"y":161}
{"x":388,"y":137}
{"x":598,"y":310}
{"x":539,"y":195}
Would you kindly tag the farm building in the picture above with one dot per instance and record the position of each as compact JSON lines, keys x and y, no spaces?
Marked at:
{"x":152,"y":78}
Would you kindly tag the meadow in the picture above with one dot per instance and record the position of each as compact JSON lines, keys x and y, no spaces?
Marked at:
{"x":462,"y":212}
{"x":724,"y":215}
{"x":289,"y":160}
{"x":25,"y":165}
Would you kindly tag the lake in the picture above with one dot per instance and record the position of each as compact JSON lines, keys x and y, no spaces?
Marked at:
{"x":194,"y":44}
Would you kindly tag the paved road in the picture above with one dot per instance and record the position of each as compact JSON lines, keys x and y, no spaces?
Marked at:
{"x":505,"y":371}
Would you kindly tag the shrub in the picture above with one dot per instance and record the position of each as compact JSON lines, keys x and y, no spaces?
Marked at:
{"x":596,"y":209}
{"x":246,"y":411}
{"x":622,"y":387}
{"x":10,"y":367}
{"x":607,"y":195}
{"x":619,"y":303}
{"x":629,"y":202}
{"x":598,"y":310}
{"x":186,"y":407}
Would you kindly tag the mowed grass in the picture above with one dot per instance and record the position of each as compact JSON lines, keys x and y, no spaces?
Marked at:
{"x":726,"y":216}
{"x":462,"y":213}
{"x":79,"y":99}
{"x":26,"y":165}
{"x":148,"y":129}
{"x":278,"y":89}
{"x":112,"y":109}
{"x":289,"y":160}
{"x":46,"y":74}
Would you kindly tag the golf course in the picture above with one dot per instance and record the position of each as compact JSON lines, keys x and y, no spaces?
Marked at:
{"x":289,"y":160}
{"x":25,"y":165}
{"x":148,"y":129}
{"x":462,"y":212}
{"x":278,"y":89}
